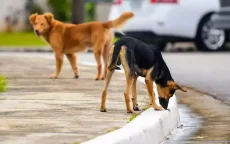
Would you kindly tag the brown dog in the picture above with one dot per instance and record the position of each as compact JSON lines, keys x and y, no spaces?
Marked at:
{"x":69,"y":38}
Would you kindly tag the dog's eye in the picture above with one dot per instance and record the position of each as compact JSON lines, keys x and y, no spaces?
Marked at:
{"x":42,"y":24}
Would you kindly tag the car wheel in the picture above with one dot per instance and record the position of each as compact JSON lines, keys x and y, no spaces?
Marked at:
{"x":209,"y":38}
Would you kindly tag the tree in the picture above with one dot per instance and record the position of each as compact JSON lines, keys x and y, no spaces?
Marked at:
{"x":78,"y":11}
{"x":60,"y":8}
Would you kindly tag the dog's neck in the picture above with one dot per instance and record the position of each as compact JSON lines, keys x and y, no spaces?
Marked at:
{"x":164,"y":75}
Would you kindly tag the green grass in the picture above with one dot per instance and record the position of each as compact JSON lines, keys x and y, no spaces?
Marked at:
{"x":20,"y":39}
{"x":146,"y":107}
{"x":115,"y":39}
{"x":3,"y":84}
{"x":113,"y":129}
{"x":2,"y":99}
{"x":133,"y":116}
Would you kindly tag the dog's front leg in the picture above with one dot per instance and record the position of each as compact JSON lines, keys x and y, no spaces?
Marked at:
{"x":149,"y":84}
{"x":73,"y":61}
{"x":59,"y":63}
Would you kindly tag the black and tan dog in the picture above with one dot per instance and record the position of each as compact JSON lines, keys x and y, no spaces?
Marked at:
{"x":140,"y":59}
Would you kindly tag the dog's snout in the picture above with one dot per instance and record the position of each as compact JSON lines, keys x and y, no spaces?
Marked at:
{"x":163,"y":102}
{"x":37,"y":32}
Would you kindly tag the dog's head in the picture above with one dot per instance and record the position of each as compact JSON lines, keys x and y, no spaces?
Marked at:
{"x":41,"y":23}
{"x":165,"y":93}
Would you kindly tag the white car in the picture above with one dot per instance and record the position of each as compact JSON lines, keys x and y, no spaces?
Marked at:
{"x":161,"y":21}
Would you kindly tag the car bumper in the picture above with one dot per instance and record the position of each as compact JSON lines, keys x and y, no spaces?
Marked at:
{"x":221,"y":19}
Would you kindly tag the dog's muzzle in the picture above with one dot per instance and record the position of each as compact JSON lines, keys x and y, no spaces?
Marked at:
{"x":164,"y":102}
{"x":37,"y":33}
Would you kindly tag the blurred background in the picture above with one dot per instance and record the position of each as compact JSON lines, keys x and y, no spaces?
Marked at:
{"x":169,"y":24}
{"x":15,"y":29}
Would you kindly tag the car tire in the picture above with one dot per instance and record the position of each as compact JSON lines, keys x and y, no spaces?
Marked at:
{"x":208,"y":38}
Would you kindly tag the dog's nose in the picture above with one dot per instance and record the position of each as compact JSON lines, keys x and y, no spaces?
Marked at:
{"x":36,"y":31}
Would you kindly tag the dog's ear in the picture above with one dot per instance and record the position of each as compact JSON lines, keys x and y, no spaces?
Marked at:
{"x":32,"y":18}
{"x":49,"y":17}
{"x":180,"y":88}
{"x":175,"y":86}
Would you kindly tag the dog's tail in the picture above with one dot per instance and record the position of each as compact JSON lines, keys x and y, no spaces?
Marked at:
{"x":114,"y":59}
{"x":119,"y":22}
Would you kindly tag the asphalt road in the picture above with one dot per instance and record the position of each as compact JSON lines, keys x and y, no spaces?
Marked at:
{"x":208,"y":72}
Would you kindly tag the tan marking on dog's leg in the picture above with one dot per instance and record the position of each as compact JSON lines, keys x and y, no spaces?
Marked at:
{"x":129,"y":78}
{"x":149,"y":85}
{"x":59,"y":63}
{"x":73,"y":61}
{"x":104,"y":92}
{"x":134,"y":94}
{"x":129,"y":82}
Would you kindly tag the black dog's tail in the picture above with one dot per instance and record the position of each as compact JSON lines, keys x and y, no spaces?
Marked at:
{"x":115,"y":55}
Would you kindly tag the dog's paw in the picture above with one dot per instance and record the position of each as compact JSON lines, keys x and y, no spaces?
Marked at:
{"x":103,"y":110}
{"x":96,"y":78}
{"x":158,"y":108}
{"x":136,"y":108}
{"x":130,"y":111}
{"x":53,"y":76}
{"x":102,"y":78}
{"x":76,"y":76}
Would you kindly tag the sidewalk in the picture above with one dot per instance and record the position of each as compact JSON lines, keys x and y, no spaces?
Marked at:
{"x":37,"y":109}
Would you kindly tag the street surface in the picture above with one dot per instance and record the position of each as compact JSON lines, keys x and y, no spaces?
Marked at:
{"x":208,"y":72}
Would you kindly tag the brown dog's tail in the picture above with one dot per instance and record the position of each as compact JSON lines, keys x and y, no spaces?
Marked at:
{"x":119,"y":22}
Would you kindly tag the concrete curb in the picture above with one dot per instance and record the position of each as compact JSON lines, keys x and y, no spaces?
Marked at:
{"x":150,"y":127}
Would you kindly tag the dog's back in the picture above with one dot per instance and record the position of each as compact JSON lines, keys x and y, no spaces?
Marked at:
{"x":143,"y":54}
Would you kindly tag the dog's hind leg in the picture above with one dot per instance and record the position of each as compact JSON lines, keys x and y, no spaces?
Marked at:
{"x":149,"y":84}
{"x":129,"y":82}
{"x":127,"y":60}
{"x":73,"y":61}
{"x":104,"y":92}
{"x":134,"y":94}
